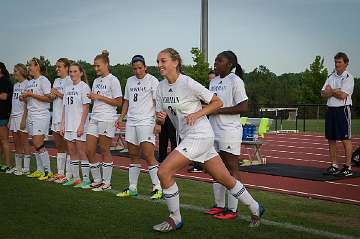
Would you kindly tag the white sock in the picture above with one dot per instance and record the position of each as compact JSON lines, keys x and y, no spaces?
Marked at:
{"x":172,"y":200}
{"x":85,"y":169}
{"x":68,"y":174}
{"x":232,"y":202}
{"x":134,"y":172}
{"x":60,"y":163}
{"x":39,"y":164}
{"x":219,"y":194}
{"x":18,"y":162}
{"x":44,"y":156}
{"x":154,"y":177}
{"x":75,"y":168}
{"x":27,"y":159}
{"x":107,"y":172}
{"x":95,"y":172}
{"x":239,"y":191}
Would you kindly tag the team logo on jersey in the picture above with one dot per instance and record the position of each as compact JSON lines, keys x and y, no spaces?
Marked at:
{"x":149,"y":138}
{"x":139,"y":83}
{"x":220,"y":82}
{"x":184,"y":149}
{"x":170,"y":90}
{"x":228,"y":147}
{"x":73,"y":88}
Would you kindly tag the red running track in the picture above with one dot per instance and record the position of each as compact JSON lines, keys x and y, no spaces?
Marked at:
{"x":297,"y":149}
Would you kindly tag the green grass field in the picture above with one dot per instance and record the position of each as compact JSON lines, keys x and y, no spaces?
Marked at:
{"x":33,"y":209}
{"x":313,"y":125}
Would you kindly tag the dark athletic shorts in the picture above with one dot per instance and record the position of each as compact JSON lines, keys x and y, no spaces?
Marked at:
{"x":338,"y":123}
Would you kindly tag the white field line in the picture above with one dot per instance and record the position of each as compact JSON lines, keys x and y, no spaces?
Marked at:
{"x":266,"y":222}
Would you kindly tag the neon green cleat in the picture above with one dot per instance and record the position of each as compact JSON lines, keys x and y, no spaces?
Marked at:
{"x":46,"y":176}
{"x":83,"y":184}
{"x":127,"y":193}
{"x":36,"y":174}
{"x":156,"y":194}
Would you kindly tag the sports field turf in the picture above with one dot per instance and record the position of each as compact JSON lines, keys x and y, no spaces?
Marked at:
{"x":33,"y":209}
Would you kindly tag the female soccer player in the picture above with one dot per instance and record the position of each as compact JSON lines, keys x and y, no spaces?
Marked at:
{"x":6,"y":90}
{"x":57,"y":93}
{"x":227,"y":127}
{"x":37,"y":95}
{"x":180,"y":97}
{"x":74,"y":123}
{"x":18,"y":122}
{"x":139,"y":106}
{"x":107,"y":96}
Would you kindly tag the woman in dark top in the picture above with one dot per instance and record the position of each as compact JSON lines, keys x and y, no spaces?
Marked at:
{"x":6,"y":90}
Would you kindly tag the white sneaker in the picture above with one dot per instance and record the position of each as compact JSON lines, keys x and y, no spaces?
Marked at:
{"x":103,"y":187}
{"x":18,"y":172}
{"x":10,"y":171}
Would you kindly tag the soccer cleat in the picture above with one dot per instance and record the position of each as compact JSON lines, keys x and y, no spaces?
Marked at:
{"x":70,"y":182}
{"x":345,"y":172}
{"x":82,"y":183}
{"x":18,"y":172}
{"x":255,"y":219}
{"x":36,"y":174}
{"x":332,"y":171}
{"x":195,"y":170}
{"x":10,"y":170}
{"x":103,"y":187}
{"x":127,"y":193}
{"x":156,"y":194}
{"x":53,"y":178}
{"x":95,"y":185}
{"x":61,"y":179}
{"x":3,"y":168}
{"x":168,"y":226}
{"x":25,"y":172}
{"x":214,"y":210}
{"x":46,"y":176}
{"x":226,"y":214}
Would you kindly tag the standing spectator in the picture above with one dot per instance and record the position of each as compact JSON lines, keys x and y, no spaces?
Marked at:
{"x":338,"y":89}
{"x":6,"y":90}
{"x":168,"y":132}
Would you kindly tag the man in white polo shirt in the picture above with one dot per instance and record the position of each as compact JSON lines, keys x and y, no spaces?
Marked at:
{"x":338,"y":89}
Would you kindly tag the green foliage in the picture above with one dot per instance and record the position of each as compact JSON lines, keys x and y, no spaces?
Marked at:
{"x":200,"y":70}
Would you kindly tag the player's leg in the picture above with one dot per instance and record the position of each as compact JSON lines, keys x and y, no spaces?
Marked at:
{"x":4,"y":143}
{"x":19,"y":148}
{"x":61,"y":154}
{"x":75,"y":163}
{"x":85,"y":167}
{"x":24,"y":140}
{"x":107,"y":162}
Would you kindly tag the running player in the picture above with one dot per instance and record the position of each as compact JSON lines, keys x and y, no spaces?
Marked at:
{"x":74,"y":123}
{"x":57,"y":93}
{"x":18,"y":122}
{"x":107,"y":96}
{"x":38,"y":98}
{"x":139,"y":106}
{"x":180,"y":97}
{"x":227,"y":127}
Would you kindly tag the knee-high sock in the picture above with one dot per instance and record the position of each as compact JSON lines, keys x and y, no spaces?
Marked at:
{"x":39,"y":164}
{"x":134,"y":172}
{"x":239,"y":191}
{"x":60,"y":163}
{"x":18,"y":162}
{"x":95,"y":172}
{"x":27,"y":159}
{"x":68,"y":167}
{"x":172,"y":200}
{"x":232,"y":202}
{"x":219,"y":194}
{"x":154,"y":177}
{"x":85,"y":169}
{"x":44,"y":156}
{"x":75,"y":168}
{"x":107,"y":172}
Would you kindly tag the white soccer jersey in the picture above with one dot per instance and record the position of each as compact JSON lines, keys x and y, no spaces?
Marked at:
{"x":183,"y":98}
{"x":59,"y":85}
{"x":343,"y":82}
{"x":141,"y":94}
{"x":231,"y":90}
{"x":17,"y":106}
{"x":75,"y":96}
{"x":108,"y":86}
{"x":40,"y":86}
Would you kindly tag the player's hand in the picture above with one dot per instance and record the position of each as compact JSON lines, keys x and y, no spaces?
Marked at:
{"x":191,"y":118}
{"x":157,"y":129}
{"x":93,"y":96}
{"x":62,"y":130}
{"x":23,"y":124}
{"x":161,"y":116}
{"x":80,"y":130}
{"x":119,"y":122}
{"x":26,"y":93}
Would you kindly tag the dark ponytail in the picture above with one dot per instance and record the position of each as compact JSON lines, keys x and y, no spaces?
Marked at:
{"x":4,"y":71}
{"x":230,"y":55}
